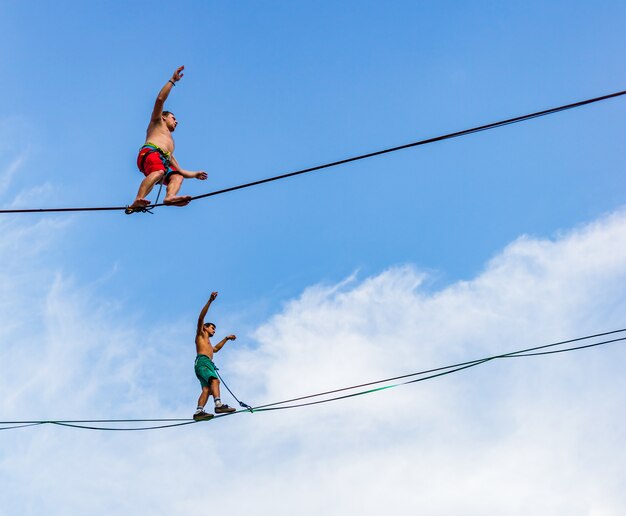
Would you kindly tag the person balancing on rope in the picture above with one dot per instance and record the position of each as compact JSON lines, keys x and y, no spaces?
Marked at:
{"x":156,"y":157}
{"x":205,"y":368}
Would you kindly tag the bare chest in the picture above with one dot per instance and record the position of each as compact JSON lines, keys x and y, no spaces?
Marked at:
{"x":161,"y":137}
{"x":203,"y":345}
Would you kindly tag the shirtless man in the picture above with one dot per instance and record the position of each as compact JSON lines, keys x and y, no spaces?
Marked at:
{"x":204,"y":366}
{"x":156,"y":158}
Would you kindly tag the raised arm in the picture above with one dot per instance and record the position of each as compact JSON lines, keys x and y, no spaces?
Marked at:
{"x":221,"y":343}
{"x":204,"y":310}
{"x":164,"y":93}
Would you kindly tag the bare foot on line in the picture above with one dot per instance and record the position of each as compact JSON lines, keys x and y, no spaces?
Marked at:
{"x":178,"y":201}
{"x":140,"y":203}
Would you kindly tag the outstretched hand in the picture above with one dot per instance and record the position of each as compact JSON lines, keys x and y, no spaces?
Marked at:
{"x":232,"y":337}
{"x":213,"y":296}
{"x":178,"y":75}
{"x":201,"y":175}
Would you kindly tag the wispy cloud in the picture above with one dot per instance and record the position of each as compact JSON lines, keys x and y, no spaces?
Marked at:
{"x":15,"y":135}
{"x":6,"y":175}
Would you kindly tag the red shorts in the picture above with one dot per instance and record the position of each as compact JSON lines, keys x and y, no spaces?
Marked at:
{"x":150,"y":160}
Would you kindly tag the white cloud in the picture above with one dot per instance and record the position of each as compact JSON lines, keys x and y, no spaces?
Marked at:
{"x":532,"y":435}
{"x":7,"y":175}
{"x":14,"y":132}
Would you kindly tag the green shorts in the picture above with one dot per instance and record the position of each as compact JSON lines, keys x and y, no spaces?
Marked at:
{"x":205,"y":370}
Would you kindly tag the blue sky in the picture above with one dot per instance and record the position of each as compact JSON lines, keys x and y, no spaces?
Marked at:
{"x":272,"y":87}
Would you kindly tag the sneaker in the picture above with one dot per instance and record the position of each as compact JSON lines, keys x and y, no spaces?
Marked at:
{"x":224,"y":409}
{"x":202,"y":416}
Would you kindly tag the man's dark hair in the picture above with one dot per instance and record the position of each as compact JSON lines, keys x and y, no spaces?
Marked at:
{"x":165,"y":113}
{"x":210,"y":324}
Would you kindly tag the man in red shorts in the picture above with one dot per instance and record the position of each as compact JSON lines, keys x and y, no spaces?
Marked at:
{"x":156,"y":158}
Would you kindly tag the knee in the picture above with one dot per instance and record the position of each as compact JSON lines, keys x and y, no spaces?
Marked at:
{"x":175,"y":179}
{"x":156,"y":175}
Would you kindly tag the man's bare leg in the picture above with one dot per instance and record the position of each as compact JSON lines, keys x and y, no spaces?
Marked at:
{"x":200,"y":414}
{"x":220,"y":408}
{"x":171,"y":197}
{"x":145,"y":188}
{"x":204,"y":397}
{"x":214,"y":387}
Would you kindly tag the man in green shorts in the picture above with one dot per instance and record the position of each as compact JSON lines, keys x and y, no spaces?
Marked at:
{"x":204,"y":366}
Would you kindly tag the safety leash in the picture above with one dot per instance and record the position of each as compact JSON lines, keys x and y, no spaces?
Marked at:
{"x":160,"y":188}
{"x":241,"y":403}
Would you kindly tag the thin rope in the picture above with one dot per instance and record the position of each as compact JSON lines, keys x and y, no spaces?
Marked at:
{"x":241,"y":403}
{"x":456,"y":369}
{"x":266,"y":408}
{"x":125,"y":429}
{"x":334,"y":391}
{"x":440,"y":371}
{"x":349,"y":160}
{"x":22,"y":426}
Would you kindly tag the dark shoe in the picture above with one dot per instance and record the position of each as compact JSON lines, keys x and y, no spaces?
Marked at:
{"x":224,"y":409}
{"x":202,"y":416}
